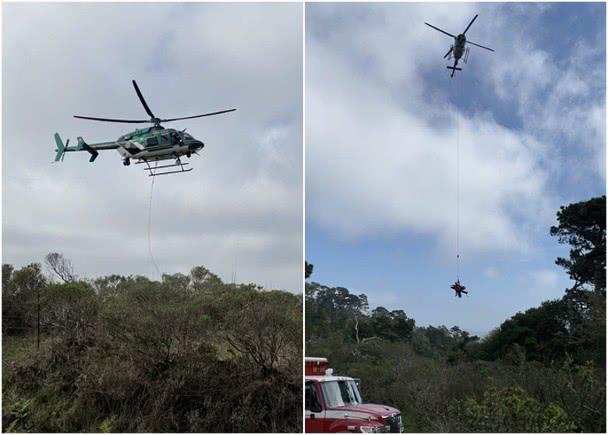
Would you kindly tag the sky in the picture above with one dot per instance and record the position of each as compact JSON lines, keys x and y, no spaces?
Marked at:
{"x":238,"y":213}
{"x":383,"y":124}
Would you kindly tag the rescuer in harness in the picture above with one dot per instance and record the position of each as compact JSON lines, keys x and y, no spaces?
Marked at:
{"x":459,"y":289}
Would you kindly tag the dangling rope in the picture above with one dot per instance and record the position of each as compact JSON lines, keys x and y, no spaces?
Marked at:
{"x":457,"y":194}
{"x":457,"y":197}
{"x":150,"y":229}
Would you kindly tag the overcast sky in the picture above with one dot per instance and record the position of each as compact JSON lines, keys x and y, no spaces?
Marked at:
{"x":382,"y":121}
{"x":239,"y":212}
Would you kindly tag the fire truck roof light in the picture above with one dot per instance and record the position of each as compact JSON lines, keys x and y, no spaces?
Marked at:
{"x":315,"y":359}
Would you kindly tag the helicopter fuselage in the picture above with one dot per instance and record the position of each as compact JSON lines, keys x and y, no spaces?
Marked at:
{"x":157,"y":143}
{"x":458,"y":49}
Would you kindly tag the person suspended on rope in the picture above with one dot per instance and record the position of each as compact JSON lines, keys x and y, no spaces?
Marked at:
{"x":459,"y":289}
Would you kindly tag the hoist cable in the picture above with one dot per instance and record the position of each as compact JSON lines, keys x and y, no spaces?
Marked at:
{"x":457,"y":193}
{"x":457,"y":197}
{"x":150,"y":229}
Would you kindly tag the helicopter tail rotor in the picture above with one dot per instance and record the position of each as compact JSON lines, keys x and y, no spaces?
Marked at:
{"x":454,"y":69}
{"x":60,"y":150}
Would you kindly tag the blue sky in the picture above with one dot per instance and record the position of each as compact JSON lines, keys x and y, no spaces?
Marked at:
{"x":382,"y":119}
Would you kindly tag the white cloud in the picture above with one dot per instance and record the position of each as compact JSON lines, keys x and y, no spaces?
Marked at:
{"x":381,"y":139}
{"x":377,"y":168}
{"x":560,"y":101}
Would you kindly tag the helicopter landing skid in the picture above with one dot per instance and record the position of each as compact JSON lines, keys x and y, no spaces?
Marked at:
{"x":154,"y":169}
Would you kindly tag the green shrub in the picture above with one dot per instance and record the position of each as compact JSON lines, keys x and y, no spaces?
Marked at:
{"x":133,"y":355}
{"x":508,"y":410}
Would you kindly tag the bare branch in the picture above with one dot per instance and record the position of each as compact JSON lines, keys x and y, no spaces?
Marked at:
{"x":60,"y":266}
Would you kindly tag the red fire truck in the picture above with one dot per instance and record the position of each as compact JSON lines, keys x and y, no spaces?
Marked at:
{"x":334,"y":404}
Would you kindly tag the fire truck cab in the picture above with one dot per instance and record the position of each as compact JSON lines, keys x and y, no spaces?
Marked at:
{"x":334,"y":404}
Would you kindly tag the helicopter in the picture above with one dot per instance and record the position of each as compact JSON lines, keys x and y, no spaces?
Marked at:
{"x":458,"y":49}
{"x":143,"y":146}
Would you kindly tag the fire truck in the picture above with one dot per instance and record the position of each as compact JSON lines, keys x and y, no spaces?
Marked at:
{"x":334,"y":404}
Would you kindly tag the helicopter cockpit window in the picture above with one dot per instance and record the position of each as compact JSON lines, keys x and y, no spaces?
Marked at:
{"x":152,"y":141}
{"x":188,"y":136}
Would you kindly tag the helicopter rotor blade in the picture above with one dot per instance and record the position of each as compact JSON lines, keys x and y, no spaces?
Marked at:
{"x":480,"y":46}
{"x":439,"y":30}
{"x":474,"y":18}
{"x":143,"y":101}
{"x":198,"y":116}
{"x":127,"y":121}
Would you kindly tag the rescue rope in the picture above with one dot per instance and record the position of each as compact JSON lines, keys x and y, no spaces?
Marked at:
{"x":457,"y":196}
{"x":457,"y":193}
{"x":150,"y":229}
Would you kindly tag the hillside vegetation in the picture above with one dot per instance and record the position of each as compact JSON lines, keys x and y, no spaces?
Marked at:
{"x":127,"y":354}
{"x":542,"y":370}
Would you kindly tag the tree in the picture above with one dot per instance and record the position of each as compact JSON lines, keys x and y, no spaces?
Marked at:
{"x":335,"y":308}
{"x":70,"y":311}
{"x":21,"y":298}
{"x":7,"y":274}
{"x":108,"y":285}
{"x":14,"y":310}
{"x":61,"y":266}
{"x":177,"y":280}
{"x":265,"y":328}
{"x":583,"y":226}
{"x":308,"y":267}
{"x":540,"y":333}
{"x":392,"y":325}
{"x":200,"y":276}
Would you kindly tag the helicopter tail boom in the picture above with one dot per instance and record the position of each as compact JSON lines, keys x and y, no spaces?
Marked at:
{"x":64,"y":148}
{"x":82,"y":145}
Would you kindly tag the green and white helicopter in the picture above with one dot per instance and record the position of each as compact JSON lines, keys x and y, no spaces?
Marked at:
{"x":145,"y":145}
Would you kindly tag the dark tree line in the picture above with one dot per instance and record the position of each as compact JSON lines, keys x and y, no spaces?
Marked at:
{"x":572,"y":327}
{"x":188,"y":353}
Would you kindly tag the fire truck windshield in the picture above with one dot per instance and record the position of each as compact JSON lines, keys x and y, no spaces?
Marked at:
{"x":341,"y":393}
